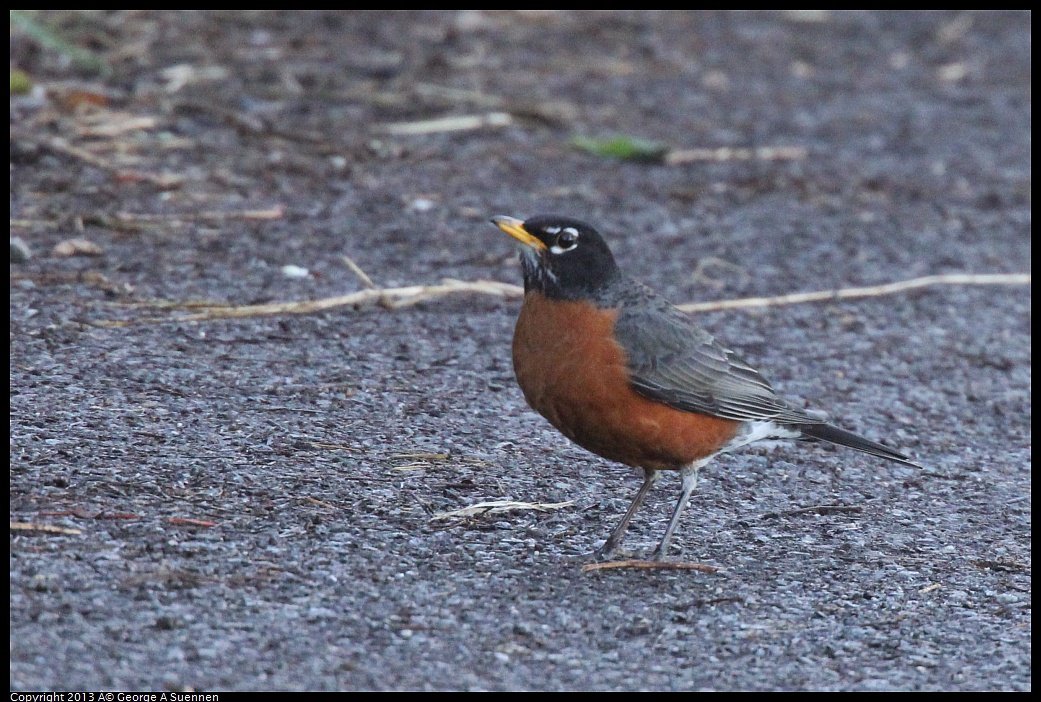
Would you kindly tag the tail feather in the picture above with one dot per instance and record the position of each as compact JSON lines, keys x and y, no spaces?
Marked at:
{"x":841,"y":437}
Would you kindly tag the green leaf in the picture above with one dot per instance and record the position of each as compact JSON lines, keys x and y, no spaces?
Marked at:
{"x":622,"y":147}
{"x":20,"y":82}
{"x":49,"y":39}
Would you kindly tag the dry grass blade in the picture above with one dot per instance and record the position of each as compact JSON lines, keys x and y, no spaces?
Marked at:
{"x":45,"y":528}
{"x":366,"y":281}
{"x":730,"y":153}
{"x":500,"y":506}
{"x":109,"y":124}
{"x":651,"y":565}
{"x":449,"y":124}
{"x":276,"y":212}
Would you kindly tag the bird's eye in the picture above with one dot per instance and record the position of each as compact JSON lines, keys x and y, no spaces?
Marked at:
{"x":566,"y":240}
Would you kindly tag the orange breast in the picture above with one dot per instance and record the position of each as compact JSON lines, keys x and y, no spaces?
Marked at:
{"x":573,"y":373}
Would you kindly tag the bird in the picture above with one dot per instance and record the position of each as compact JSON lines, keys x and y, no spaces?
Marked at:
{"x":623,"y":373}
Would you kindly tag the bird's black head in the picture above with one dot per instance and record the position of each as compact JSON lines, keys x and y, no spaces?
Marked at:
{"x":563,"y":258}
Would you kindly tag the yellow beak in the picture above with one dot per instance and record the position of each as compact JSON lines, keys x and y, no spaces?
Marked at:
{"x":515,"y":228}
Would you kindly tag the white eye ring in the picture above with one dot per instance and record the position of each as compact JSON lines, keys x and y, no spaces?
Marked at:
{"x":571,"y":234}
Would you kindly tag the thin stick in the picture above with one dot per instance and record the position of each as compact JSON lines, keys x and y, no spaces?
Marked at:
{"x":394,"y":298}
{"x":500,"y":506}
{"x":651,"y":565}
{"x":871,"y":291}
{"x":45,"y":528}
{"x":366,"y":281}
{"x":112,"y":124}
{"x":449,"y":124}
{"x":276,"y":212}
{"x":729,"y":153}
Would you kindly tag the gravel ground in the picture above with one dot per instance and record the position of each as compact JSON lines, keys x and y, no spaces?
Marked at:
{"x":247,"y":503}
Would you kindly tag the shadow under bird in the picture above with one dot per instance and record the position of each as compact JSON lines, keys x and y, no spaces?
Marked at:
{"x":625,"y":374}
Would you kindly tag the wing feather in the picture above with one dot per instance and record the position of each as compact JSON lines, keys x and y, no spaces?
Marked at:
{"x":672,"y":361}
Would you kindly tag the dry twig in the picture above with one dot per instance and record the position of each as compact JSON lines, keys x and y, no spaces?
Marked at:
{"x":730,"y":153}
{"x":499,"y":506}
{"x":393,"y":298}
{"x":276,"y":212}
{"x":45,"y":528}
{"x":651,"y":565}
{"x":449,"y":124}
{"x":366,"y":281}
{"x":870,"y":291}
{"x":390,"y":297}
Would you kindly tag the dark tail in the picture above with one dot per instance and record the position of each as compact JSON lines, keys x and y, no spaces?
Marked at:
{"x":841,"y":437}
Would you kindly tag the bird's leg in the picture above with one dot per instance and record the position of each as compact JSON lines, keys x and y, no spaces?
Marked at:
{"x":689,"y":475}
{"x":605,"y":552}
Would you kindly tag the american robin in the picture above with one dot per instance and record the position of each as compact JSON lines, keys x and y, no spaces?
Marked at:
{"x":625,"y":374}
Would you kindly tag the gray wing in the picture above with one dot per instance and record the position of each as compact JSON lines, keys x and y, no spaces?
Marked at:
{"x":674,"y":362}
